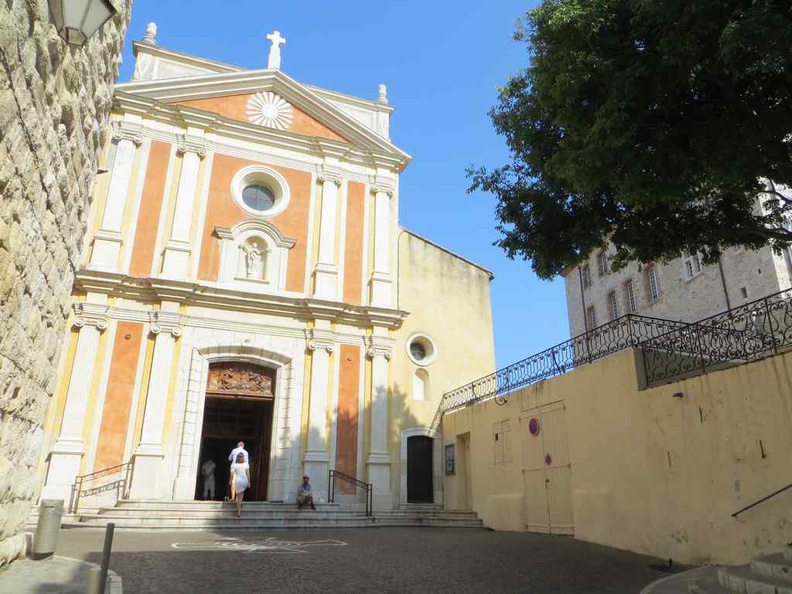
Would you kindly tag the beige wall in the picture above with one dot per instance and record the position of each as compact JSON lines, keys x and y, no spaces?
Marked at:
{"x":448,"y":299}
{"x":650,"y":472}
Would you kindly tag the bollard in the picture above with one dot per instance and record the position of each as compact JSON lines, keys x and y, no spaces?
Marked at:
{"x":45,"y":540}
{"x":105,"y":565}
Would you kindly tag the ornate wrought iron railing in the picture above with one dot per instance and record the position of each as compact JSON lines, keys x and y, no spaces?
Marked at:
{"x":626,"y":331}
{"x":670,"y":350}
{"x":367,"y":488}
{"x":749,"y":332}
{"x":84,"y":485}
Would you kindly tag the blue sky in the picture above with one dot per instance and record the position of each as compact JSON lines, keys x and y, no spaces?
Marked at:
{"x":442,"y":62}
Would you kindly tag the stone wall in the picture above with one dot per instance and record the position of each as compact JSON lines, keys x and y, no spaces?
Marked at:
{"x":54,"y":103}
{"x":747,"y":275}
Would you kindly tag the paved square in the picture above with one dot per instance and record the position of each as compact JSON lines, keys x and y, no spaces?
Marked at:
{"x":363,"y":560}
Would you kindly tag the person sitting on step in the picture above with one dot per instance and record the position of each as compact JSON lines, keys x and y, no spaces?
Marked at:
{"x":304,"y":494}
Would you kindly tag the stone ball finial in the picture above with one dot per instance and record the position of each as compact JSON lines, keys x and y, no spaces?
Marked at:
{"x":151,"y":34}
{"x":383,"y":94}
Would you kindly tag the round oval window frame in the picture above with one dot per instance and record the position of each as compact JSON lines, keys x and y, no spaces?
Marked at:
{"x":429,"y":347}
{"x":259,"y":174}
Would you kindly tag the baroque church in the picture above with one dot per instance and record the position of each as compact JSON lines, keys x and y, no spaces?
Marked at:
{"x":246,"y":278}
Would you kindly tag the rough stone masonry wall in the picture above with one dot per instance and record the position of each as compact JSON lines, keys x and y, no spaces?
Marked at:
{"x":54,"y":103}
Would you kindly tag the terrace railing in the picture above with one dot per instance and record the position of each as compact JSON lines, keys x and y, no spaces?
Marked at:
{"x":670,"y":350}
{"x":116,"y":478}
{"x":627,"y":331}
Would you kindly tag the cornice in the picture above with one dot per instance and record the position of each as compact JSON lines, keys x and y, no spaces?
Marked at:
{"x":154,"y":290}
{"x":302,"y":96}
{"x":182,"y":116}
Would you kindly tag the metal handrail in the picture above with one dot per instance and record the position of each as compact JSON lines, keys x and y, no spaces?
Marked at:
{"x":762,"y":500}
{"x":368,"y":487}
{"x":121,"y":485}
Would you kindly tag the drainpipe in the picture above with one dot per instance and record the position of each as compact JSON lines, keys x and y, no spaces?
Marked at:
{"x":723,"y":283}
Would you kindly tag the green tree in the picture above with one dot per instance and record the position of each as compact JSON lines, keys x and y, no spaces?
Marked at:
{"x":652,"y":124}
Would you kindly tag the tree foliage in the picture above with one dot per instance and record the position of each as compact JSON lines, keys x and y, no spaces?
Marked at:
{"x":652,"y":124}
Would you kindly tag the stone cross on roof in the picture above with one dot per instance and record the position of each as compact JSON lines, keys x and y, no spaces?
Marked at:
{"x":274,"y":60}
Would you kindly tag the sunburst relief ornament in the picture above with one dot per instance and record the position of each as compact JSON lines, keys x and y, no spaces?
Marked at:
{"x":267,"y":109}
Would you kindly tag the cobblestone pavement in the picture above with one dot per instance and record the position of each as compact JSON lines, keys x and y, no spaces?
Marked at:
{"x":362,"y":560}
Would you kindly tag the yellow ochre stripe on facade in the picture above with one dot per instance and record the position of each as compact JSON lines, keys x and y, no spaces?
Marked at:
{"x":147,"y":363}
{"x":171,"y":390}
{"x":306,"y":403}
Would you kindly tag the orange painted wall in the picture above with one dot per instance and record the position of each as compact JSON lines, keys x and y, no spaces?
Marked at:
{"x":121,"y":382}
{"x":347,"y":426}
{"x":223,"y":211}
{"x":235,"y":107}
{"x":353,"y":252}
{"x":150,"y":206}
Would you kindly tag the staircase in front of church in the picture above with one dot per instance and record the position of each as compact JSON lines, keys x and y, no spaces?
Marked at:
{"x":215,"y":515}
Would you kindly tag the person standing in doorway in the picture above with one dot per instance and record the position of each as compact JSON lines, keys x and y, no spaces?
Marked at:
{"x":240,"y":449}
{"x":208,"y":472}
{"x":240,"y":481}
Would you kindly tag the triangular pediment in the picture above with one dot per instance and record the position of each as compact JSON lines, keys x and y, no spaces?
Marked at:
{"x":241,"y":96}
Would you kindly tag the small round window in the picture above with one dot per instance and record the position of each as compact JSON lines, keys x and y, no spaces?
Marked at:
{"x":258,"y":197}
{"x":417,"y":350}
{"x":421,"y":349}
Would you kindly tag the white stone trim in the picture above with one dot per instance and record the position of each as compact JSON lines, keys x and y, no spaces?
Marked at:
{"x":432,"y":351}
{"x":92,"y":444}
{"x":437,"y":462}
{"x":203,"y":205}
{"x":159,"y":245}
{"x":366,"y":272}
{"x":310,"y":237}
{"x":261,"y":173}
{"x":342,"y":240}
{"x":287,"y":358}
{"x":131,"y":229}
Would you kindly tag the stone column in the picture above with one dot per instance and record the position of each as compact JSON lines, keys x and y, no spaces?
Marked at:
{"x":68,"y":449}
{"x":326,"y":271}
{"x":316,"y":463}
{"x":178,"y":247}
{"x":378,"y":461}
{"x":150,"y":452}
{"x":107,"y":243}
{"x":381,"y":276}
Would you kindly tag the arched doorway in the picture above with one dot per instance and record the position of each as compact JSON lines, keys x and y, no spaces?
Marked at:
{"x":238,"y":407}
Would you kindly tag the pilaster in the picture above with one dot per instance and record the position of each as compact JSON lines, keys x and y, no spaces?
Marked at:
{"x":321,"y":342}
{"x":192,"y":147}
{"x":326,"y":270}
{"x":68,"y":450}
{"x":381,"y":276}
{"x":150,"y":452}
{"x":380,"y":350}
{"x":107,"y":242}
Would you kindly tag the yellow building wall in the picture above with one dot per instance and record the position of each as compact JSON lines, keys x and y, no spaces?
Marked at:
{"x":650,"y":472}
{"x":448,"y":299}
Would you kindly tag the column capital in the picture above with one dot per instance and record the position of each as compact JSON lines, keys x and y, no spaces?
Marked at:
{"x":329,"y":174}
{"x":317,"y":339}
{"x":123,"y":130}
{"x":165,"y":321}
{"x":90,"y":314}
{"x":383,"y":186}
{"x":188,"y":143}
{"x":379,"y":346}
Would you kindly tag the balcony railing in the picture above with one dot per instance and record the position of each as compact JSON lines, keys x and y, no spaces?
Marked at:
{"x":670,"y":350}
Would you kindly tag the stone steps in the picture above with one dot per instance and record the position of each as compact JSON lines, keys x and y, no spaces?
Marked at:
{"x":766,"y":574}
{"x":216,"y":515}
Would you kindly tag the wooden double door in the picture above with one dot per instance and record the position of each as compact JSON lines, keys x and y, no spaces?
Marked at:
{"x":239,"y":407}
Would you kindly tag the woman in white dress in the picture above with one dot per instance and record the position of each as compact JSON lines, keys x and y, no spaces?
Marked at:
{"x":240,"y":481}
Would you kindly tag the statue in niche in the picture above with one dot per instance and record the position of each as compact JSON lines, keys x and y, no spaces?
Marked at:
{"x":254,"y":261}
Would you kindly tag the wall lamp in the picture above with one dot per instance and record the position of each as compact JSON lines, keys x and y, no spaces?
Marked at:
{"x":77,"y":20}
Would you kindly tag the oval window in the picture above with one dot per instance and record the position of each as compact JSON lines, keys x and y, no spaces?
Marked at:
{"x":258,"y":197}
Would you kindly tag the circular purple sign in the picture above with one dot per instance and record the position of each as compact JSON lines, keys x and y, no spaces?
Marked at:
{"x":533,"y":426}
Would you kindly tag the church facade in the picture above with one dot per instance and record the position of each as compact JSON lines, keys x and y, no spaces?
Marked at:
{"x":246,"y":278}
